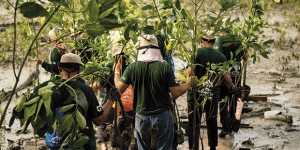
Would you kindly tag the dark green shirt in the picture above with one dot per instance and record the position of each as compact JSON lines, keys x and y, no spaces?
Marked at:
{"x":151,"y":82}
{"x":207,"y":55}
{"x":54,"y":59}
{"x":227,"y":50}
{"x":94,"y":109}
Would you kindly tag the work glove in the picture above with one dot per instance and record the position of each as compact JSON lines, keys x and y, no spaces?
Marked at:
{"x":114,"y":94}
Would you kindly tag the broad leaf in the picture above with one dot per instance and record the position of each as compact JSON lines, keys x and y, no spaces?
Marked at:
{"x":94,"y":29}
{"x":106,"y":13}
{"x":33,"y":10}
{"x":80,"y":119}
{"x":60,"y":2}
{"x":66,"y":108}
{"x":148,"y":7}
{"x":80,"y":142}
{"x":93,"y":11}
{"x":29,"y":111}
{"x":65,"y":124}
{"x":20,"y":106}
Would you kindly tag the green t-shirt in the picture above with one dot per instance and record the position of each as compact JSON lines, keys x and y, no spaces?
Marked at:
{"x":227,"y":50}
{"x":54,"y":59}
{"x":207,"y":55}
{"x":151,"y":82}
{"x":94,"y":109}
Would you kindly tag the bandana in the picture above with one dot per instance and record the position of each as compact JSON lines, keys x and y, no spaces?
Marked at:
{"x":150,"y":55}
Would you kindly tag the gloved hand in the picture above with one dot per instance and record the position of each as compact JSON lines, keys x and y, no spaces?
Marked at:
{"x":114,"y":94}
{"x":236,"y":91}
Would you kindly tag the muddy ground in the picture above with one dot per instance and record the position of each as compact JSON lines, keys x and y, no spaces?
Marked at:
{"x":277,"y":78}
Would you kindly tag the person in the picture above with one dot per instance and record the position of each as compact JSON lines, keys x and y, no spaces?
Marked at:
{"x":227,"y":112}
{"x":68,"y":70}
{"x":152,"y":80}
{"x":126,"y":121}
{"x":54,"y":56}
{"x":206,"y":56}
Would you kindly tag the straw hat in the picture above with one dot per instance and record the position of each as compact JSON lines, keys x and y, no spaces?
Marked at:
{"x":208,"y":36}
{"x":117,"y":49}
{"x":148,"y":40}
{"x":70,"y":60}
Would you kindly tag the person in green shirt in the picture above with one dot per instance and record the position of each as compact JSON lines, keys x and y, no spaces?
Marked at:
{"x":206,"y":56}
{"x":54,"y":56}
{"x":228,"y":108}
{"x":68,"y":70}
{"x":152,"y":80}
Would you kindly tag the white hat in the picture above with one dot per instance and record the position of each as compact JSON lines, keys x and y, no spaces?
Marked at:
{"x":52,"y":35}
{"x":117,"y":49}
{"x":148,"y":40}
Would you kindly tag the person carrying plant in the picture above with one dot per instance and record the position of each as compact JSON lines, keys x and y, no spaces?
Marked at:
{"x":206,"y":97}
{"x":152,"y":80}
{"x":227,"y":112}
{"x":64,"y":109}
{"x":54,"y":56}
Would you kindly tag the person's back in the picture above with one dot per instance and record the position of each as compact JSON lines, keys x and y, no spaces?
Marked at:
{"x":229,"y":49}
{"x":207,"y":55}
{"x":151,"y":81}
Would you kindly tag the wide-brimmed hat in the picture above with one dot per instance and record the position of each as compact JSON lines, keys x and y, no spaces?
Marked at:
{"x":70,"y":60}
{"x":208,"y":36}
{"x":117,"y":50}
{"x":148,"y":40}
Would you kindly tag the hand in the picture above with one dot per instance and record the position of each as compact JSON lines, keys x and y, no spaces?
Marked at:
{"x":96,"y":86}
{"x":193,"y":80}
{"x":38,"y":60}
{"x":117,"y":67}
{"x":114,"y":94}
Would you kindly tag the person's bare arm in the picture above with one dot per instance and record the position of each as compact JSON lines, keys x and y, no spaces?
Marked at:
{"x":181,"y":89}
{"x":228,"y":81}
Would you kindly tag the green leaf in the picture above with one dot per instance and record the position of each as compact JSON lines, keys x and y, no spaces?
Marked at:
{"x":95,"y":29}
{"x":177,"y":4}
{"x":93,"y":11}
{"x":67,"y":107}
{"x":106,"y":13}
{"x":148,"y":7}
{"x":32,"y":101}
{"x":91,"y":69}
{"x":186,"y":14}
{"x":80,"y":119}
{"x":65,"y":124}
{"x":46,"y":93}
{"x":181,"y":77}
{"x":29,"y":111}
{"x":20,"y":106}
{"x":81,"y":100}
{"x":38,"y":110}
{"x":79,"y":143}
{"x":60,"y":2}
{"x":227,"y":44}
{"x":202,"y":80}
{"x":268,"y":42}
{"x":33,"y":10}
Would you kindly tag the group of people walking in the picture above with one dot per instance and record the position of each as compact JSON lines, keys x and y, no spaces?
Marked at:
{"x":153,"y":87}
